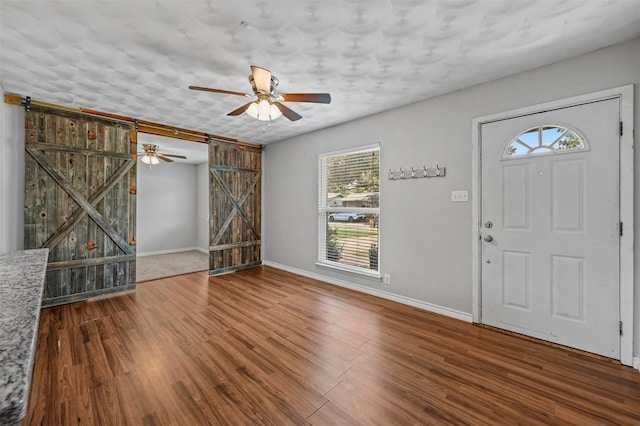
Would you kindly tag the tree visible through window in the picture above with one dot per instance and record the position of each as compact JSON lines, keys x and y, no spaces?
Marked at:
{"x":548,"y":139}
{"x":349,"y":209}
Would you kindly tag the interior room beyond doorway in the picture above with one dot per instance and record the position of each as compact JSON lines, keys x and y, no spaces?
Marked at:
{"x":172,"y":210}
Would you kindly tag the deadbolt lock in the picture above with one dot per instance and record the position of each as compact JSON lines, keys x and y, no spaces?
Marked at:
{"x":488,"y":224}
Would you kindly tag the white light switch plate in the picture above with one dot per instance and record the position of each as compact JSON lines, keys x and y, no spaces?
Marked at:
{"x":459,"y":196}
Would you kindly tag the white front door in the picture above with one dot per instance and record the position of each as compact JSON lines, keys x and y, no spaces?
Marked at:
{"x":550,"y":208}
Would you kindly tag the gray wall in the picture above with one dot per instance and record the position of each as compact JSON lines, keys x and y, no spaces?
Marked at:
{"x":11,"y":178}
{"x":426,"y":239}
{"x":166,"y":208}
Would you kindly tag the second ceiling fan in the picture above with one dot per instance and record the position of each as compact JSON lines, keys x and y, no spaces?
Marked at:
{"x":268,"y":105}
{"x":151,"y":155}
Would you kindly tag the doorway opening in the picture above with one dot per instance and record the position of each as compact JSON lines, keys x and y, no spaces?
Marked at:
{"x":172,"y":210}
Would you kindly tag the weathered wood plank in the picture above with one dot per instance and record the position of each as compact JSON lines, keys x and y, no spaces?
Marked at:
{"x":31,"y":199}
{"x":78,"y":263}
{"x":131,"y":202}
{"x":87,"y":151}
{"x":224,"y":270}
{"x":234,"y":169}
{"x":235,"y":245}
{"x":100,"y":177}
{"x":109,"y":247}
{"x":56,"y":199}
{"x":62,"y":300}
{"x":79,"y":180}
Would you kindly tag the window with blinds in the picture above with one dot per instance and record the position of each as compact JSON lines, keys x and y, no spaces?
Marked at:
{"x":349,"y":210}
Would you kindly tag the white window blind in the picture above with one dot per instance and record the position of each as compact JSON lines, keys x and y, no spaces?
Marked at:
{"x":349,"y":210}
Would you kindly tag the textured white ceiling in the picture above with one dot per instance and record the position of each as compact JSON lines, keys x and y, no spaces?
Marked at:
{"x":137,"y":58}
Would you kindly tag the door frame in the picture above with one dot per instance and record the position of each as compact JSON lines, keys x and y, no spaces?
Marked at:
{"x":626,"y":267}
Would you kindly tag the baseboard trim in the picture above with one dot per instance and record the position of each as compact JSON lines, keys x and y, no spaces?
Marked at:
{"x":169,"y":251}
{"x":452,"y":313}
{"x":636,"y":363}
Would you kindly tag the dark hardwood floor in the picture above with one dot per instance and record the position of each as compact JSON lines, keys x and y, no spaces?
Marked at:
{"x":265,"y":347}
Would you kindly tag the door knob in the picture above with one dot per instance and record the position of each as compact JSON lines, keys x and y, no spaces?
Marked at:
{"x":488,"y":238}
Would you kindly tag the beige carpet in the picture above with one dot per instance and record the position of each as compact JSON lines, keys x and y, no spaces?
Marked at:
{"x":170,"y":264}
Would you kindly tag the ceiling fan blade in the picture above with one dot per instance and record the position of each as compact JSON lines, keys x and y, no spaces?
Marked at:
{"x":240,"y":110}
{"x":261,"y":79}
{"x":174,"y":156}
{"x":288,"y":112}
{"x":163,"y":158}
{"x":319,"y":98}
{"x":226,"y":92}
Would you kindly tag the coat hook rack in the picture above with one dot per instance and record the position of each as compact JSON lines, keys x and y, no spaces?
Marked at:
{"x":413,"y":173}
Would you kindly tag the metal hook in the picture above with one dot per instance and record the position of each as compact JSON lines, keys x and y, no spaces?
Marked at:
{"x":437,"y":170}
{"x":401,"y":172}
{"x":391,"y":174}
{"x":413,"y":171}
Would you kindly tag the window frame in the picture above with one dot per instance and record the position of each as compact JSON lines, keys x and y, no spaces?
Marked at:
{"x":324,"y":209}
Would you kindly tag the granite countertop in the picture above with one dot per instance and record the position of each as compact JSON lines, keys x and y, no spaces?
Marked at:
{"x":21,"y":283}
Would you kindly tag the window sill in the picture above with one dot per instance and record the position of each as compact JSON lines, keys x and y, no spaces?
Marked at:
{"x":350,"y":269}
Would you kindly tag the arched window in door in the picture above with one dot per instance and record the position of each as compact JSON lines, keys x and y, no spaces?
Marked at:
{"x":545,"y":139}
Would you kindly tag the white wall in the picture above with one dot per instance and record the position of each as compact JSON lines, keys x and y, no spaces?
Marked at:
{"x":166,"y":208}
{"x":426,"y":239}
{"x":11,"y":177}
{"x":202,"y":207}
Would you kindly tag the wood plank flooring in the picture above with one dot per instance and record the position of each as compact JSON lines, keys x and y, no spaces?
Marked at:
{"x":266,"y":347}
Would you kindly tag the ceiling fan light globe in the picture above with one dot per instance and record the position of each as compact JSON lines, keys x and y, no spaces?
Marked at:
{"x":263,"y":107}
{"x":274,"y":112}
{"x":146,"y":159}
{"x":154,"y":160}
{"x":252,"y":111}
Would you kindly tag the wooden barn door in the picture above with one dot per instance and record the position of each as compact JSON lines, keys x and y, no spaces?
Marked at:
{"x":234,"y":211}
{"x":80,"y":187}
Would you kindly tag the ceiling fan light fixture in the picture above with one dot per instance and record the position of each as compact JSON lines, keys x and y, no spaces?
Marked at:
{"x":263,"y":110}
{"x":150,"y":159}
{"x":269,"y":104}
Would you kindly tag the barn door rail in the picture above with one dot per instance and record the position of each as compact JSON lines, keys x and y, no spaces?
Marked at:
{"x":141,"y":126}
